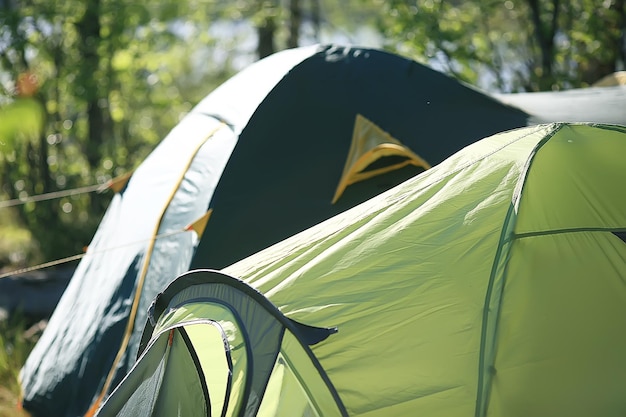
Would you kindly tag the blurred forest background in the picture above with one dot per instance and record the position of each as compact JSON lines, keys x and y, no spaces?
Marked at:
{"x":88,"y":88}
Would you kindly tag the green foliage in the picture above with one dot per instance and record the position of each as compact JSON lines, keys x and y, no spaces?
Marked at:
{"x":512,"y":45}
{"x":22,"y":119}
{"x":113,"y":77}
{"x":464,"y":39}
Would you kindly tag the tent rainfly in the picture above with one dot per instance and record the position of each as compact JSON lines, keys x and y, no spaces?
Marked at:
{"x":491,"y":285}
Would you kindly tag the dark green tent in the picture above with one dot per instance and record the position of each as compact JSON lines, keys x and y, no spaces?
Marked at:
{"x":290,"y":141}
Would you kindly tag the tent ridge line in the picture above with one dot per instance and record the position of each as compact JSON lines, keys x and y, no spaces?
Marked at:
{"x":507,"y":238}
{"x":481,"y":394}
{"x":517,"y":193}
{"x":474,"y":161}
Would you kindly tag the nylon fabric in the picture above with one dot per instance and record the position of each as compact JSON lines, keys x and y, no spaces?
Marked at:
{"x":295,"y":387}
{"x":208,"y":341}
{"x":221,"y":382}
{"x":284,"y":396}
{"x":561,"y":342}
{"x":418,"y":278}
{"x":581,"y":196}
{"x":177,"y":398}
{"x":235,"y":380}
{"x":262,"y":336}
{"x":443,"y":307}
{"x":365,"y":313}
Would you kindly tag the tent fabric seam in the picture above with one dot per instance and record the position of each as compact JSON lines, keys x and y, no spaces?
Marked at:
{"x":200,"y":372}
{"x":482,"y":157}
{"x":516,"y":236}
{"x":506,"y":239}
{"x":480,"y":394}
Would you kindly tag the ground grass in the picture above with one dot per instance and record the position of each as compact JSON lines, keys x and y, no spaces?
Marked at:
{"x":14,"y":349}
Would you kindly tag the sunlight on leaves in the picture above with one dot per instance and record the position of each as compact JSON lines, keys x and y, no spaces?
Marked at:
{"x":21,"y":119}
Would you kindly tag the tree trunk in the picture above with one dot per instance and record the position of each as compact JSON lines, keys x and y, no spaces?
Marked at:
{"x":544,"y":35}
{"x":295,"y":20}
{"x":620,"y":8}
{"x":266,"y":33}
{"x":315,"y":18}
{"x":89,"y":33}
{"x":613,"y":57}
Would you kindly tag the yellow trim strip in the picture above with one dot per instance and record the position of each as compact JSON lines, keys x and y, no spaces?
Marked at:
{"x":361,"y":176}
{"x":144,"y":270}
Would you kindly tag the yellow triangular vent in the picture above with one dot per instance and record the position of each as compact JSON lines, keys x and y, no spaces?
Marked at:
{"x":199,"y":225}
{"x":369,"y":144}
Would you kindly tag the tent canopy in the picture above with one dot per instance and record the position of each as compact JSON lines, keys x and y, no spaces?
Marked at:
{"x":490,"y":285}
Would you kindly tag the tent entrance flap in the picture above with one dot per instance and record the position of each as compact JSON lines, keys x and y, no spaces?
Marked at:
{"x":155,"y":386}
{"x":243,"y":348}
{"x":374,"y":152}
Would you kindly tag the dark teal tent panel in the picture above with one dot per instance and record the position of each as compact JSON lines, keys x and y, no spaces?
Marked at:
{"x":288,"y":161}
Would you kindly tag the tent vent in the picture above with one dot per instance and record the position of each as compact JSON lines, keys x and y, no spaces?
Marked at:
{"x":371,"y":144}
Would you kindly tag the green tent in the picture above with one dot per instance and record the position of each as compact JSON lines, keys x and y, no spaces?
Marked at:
{"x":290,"y":141}
{"x":493,"y":284}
